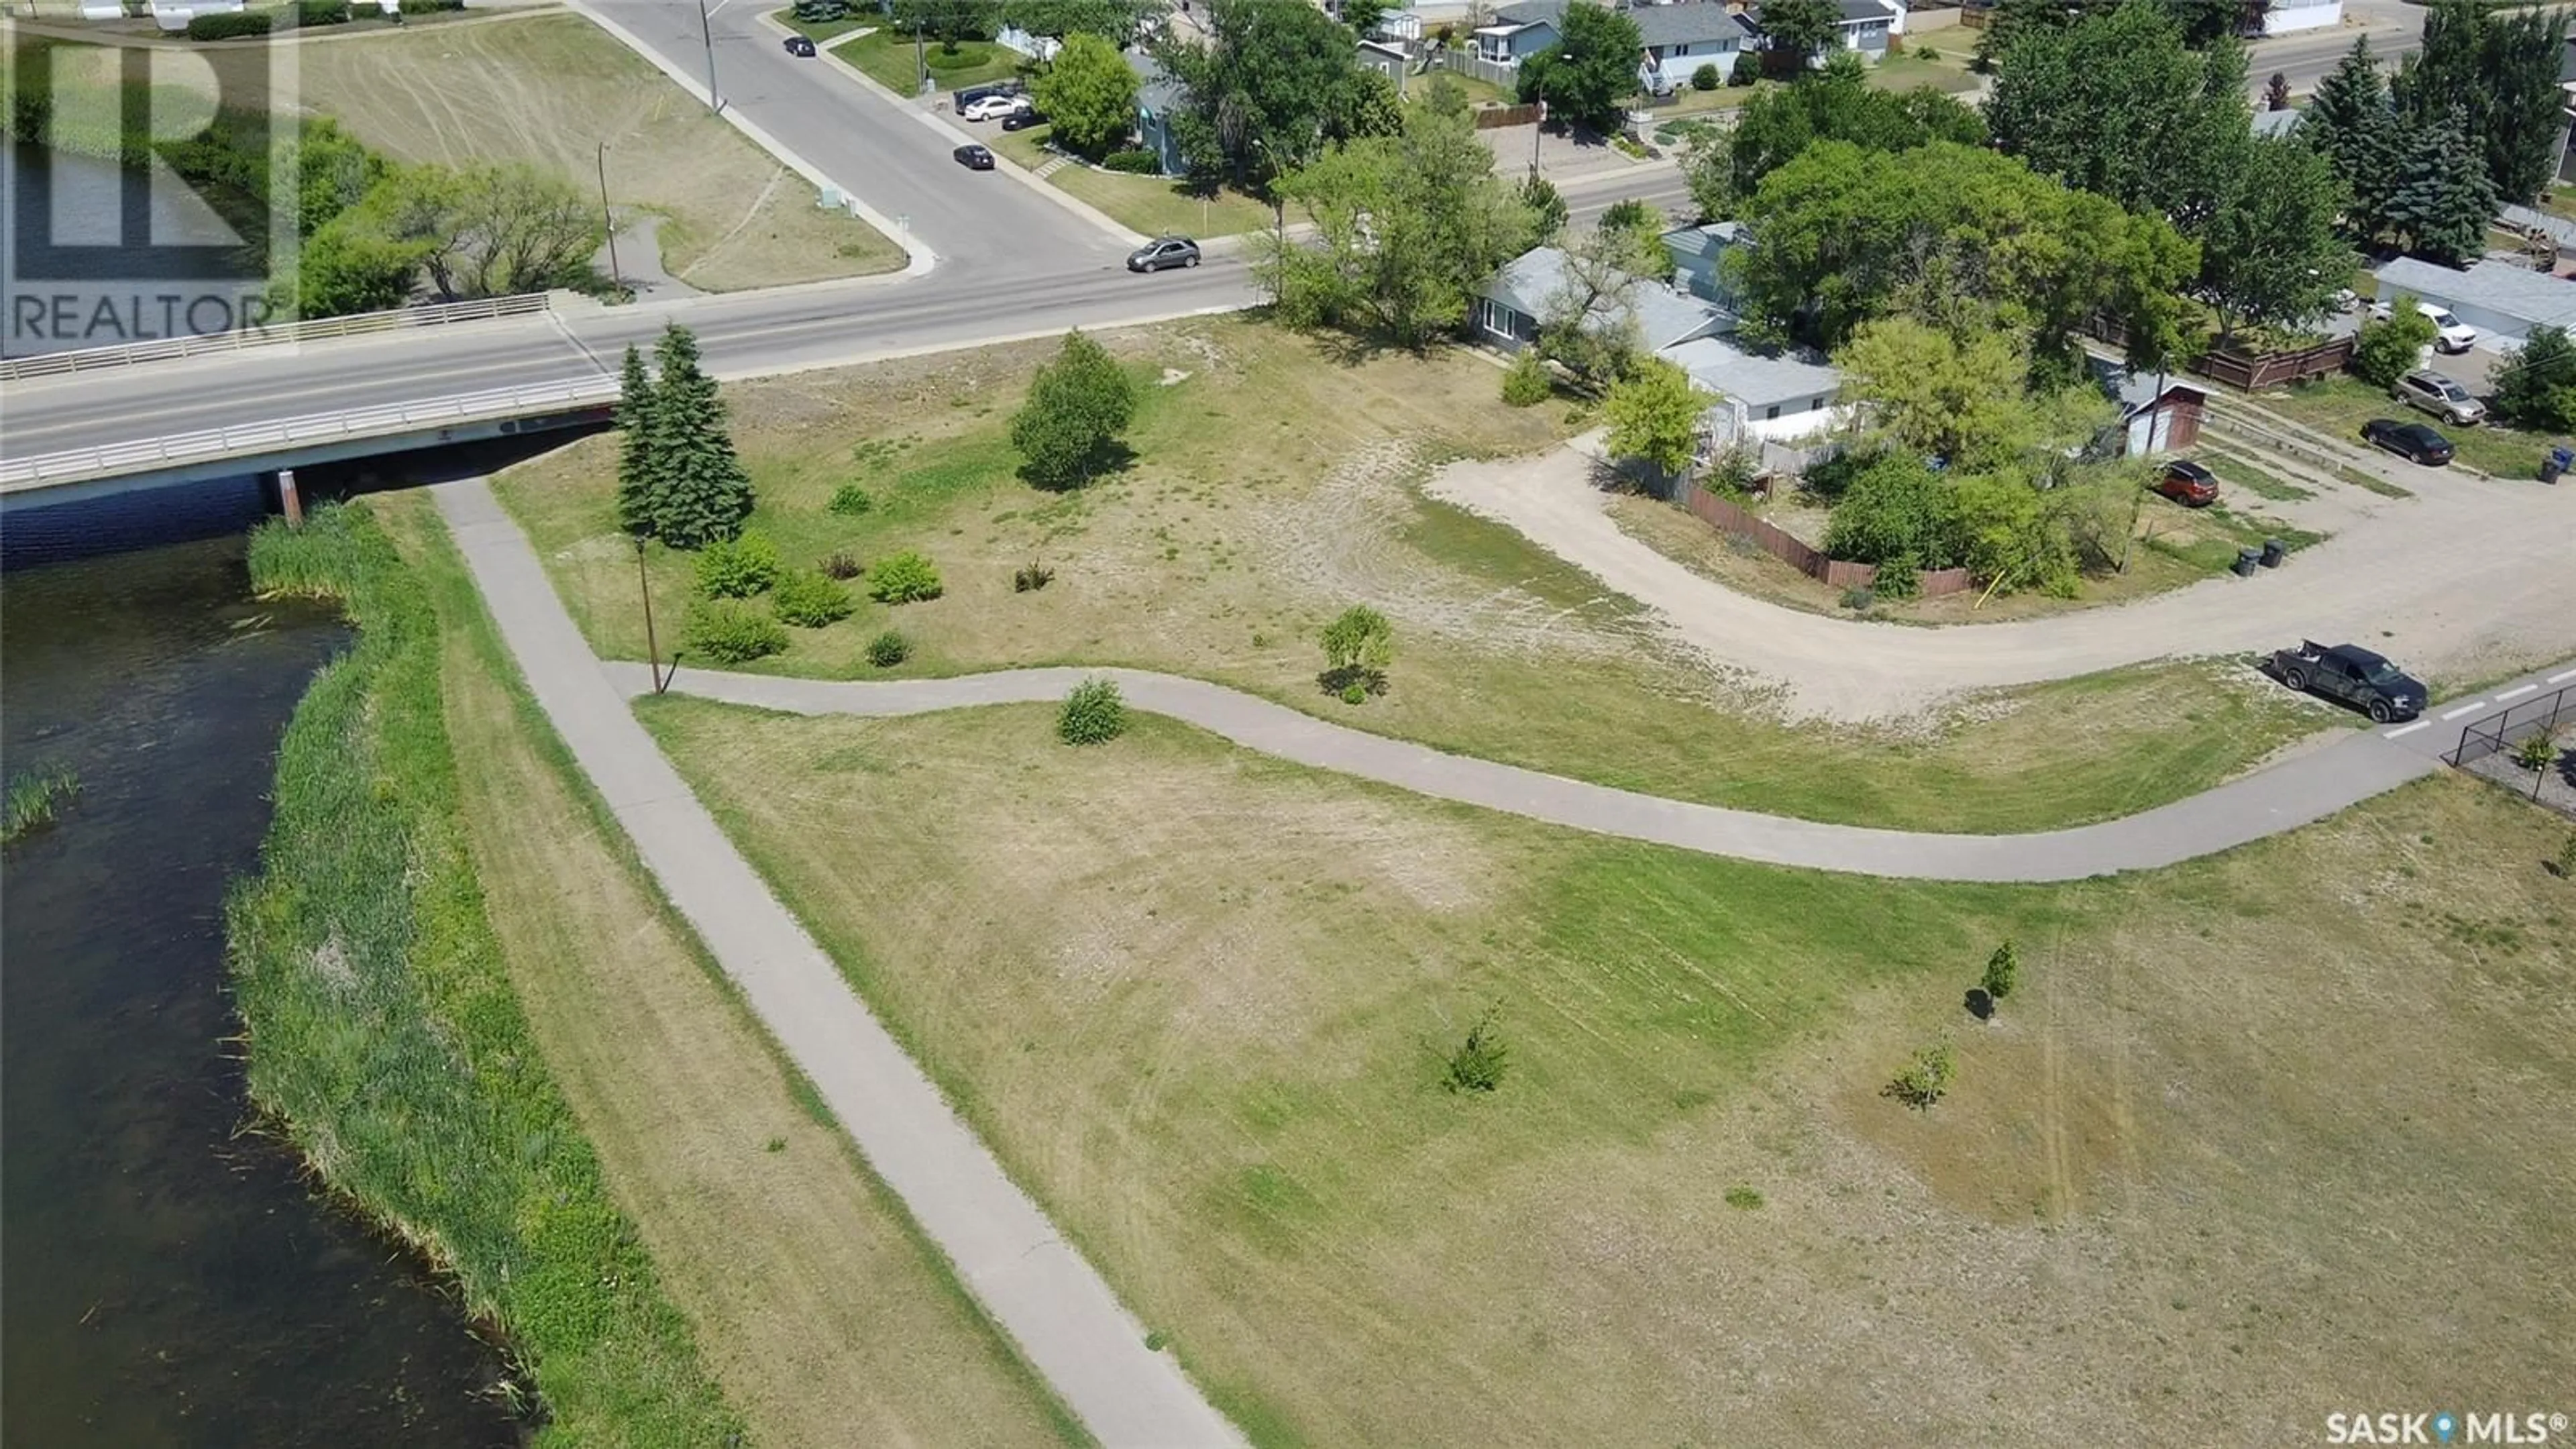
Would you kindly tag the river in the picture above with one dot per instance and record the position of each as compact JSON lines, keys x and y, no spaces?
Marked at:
{"x":171,"y":1277}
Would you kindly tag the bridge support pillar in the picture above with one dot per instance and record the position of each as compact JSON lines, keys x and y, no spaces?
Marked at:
{"x":289,"y":501}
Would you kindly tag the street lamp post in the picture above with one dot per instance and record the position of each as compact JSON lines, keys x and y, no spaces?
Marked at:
{"x":616,"y":274}
{"x":707,"y":33}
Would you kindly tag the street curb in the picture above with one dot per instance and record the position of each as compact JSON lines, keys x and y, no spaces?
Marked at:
{"x":894,"y":354}
{"x":923,"y":258}
{"x":958,"y":137}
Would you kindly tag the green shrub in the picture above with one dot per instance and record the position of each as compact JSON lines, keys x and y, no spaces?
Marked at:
{"x":1706,"y":78}
{"x":852,"y":500}
{"x":811,"y":600}
{"x":1134,"y":163}
{"x":1743,"y":1197}
{"x":1746,"y":70}
{"x":2536,"y":386}
{"x":838,"y":564}
{"x":2567,"y":857}
{"x":1860,"y":599}
{"x":1093,"y":714}
{"x":732,"y":633}
{"x":1925,"y":52}
{"x":889,"y":649}
{"x":821,"y":12}
{"x":2388,"y":348}
{"x":1924,"y":1079}
{"x":321,"y":12}
{"x":964,"y":55}
{"x":1525,"y":382}
{"x":1030,"y":579}
{"x":1897,"y":578}
{"x":1477,"y":1065}
{"x":430,"y":7}
{"x":906,"y":578}
{"x":2002,"y":969}
{"x":737,"y":568}
{"x":1358,"y":647}
{"x":231,"y":25}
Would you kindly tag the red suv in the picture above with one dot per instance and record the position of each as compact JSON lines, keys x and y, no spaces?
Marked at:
{"x":2187,"y":483}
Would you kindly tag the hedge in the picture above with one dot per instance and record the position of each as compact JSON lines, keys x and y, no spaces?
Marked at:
{"x":232,"y":26}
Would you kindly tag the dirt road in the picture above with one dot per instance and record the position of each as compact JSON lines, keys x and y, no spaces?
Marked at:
{"x":2469,"y":579}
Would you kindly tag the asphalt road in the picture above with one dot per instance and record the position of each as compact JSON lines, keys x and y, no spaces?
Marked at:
{"x":2309,"y":56}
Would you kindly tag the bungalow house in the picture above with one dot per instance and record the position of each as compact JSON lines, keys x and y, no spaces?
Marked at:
{"x":1677,"y":38}
{"x":1698,"y":254}
{"x":1517,"y":32}
{"x":1158,"y":98}
{"x":1866,"y":26}
{"x":1774,"y":398}
{"x":1387,"y":59}
{"x":2503,"y":301}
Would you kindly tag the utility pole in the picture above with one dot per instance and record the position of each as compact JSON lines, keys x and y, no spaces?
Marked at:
{"x":615,"y":273}
{"x":707,"y":32}
{"x":652,"y":647}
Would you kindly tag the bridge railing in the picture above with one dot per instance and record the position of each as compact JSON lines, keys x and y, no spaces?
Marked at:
{"x":54,"y":364}
{"x":74,"y":464}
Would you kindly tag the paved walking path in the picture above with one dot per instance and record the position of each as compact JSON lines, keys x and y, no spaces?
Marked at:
{"x":1054,"y":1306}
{"x":2306,"y":788}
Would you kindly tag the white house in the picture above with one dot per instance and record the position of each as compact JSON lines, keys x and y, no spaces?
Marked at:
{"x":1772,"y":397}
{"x":2291,"y":16}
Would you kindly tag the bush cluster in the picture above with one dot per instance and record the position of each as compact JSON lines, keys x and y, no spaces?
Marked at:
{"x":906,"y":578}
{"x":321,"y":12}
{"x":852,"y":500}
{"x":1477,"y":1065}
{"x":1747,"y":69}
{"x":1094,"y":714}
{"x":838,"y":564}
{"x":810,"y":600}
{"x":1924,"y":1079}
{"x":430,"y":7}
{"x":889,"y":649}
{"x":1134,"y":163}
{"x":737,"y":568}
{"x":231,"y":25}
{"x":1031,"y":577}
{"x":1706,"y":78}
{"x":730,"y":633}
{"x":1525,"y":382}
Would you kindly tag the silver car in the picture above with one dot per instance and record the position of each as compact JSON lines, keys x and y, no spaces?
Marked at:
{"x":2443,"y":397}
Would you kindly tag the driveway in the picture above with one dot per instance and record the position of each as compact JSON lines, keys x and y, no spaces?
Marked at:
{"x":2466,"y":580}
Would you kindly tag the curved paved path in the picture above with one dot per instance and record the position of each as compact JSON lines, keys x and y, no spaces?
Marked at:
{"x":2284,"y":797}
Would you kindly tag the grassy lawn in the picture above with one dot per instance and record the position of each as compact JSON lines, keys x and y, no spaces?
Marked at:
{"x":827,"y":29}
{"x":825,"y":1317}
{"x":2340,"y":405}
{"x":1274,"y":487}
{"x":1902,"y":71}
{"x":1154,"y":205}
{"x":2233,"y":469}
{"x":1200,"y":1001}
{"x":891,"y":61}
{"x":547,"y":89}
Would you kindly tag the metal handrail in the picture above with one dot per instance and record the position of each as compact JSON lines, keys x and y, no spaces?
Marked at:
{"x":73,"y":464}
{"x":360,"y":324}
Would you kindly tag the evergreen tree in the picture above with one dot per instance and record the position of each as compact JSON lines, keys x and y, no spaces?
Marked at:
{"x":635,"y":401}
{"x":2440,"y":200}
{"x":2500,"y":70}
{"x":2349,"y":122}
{"x":700,"y":492}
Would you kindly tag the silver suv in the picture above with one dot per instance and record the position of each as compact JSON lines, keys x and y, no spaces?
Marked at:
{"x":2440,"y":396}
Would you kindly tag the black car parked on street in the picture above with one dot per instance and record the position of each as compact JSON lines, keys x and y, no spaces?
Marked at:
{"x":2415,"y":442}
{"x":2350,"y":674}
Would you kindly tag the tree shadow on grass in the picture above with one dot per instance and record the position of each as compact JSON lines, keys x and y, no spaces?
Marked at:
{"x":1106,"y":461}
{"x":1338,"y":682}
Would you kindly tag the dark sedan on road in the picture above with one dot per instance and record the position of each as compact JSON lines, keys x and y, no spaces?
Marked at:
{"x":2414,"y":442}
{"x":2187,"y":483}
{"x":800,"y":45}
{"x":974,"y":158}
{"x":1164,"y":251}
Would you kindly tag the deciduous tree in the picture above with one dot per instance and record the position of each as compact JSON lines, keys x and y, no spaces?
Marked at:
{"x":1068,"y":431}
{"x":1269,"y":87}
{"x":1954,"y":398}
{"x":1088,"y":93}
{"x":2388,"y":346}
{"x":2536,"y":386}
{"x":1654,"y":415}
{"x":1587,"y":77}
{"x":1798,"y":31}
{"x":1837,"y":103}
{"x":2270,"y":254}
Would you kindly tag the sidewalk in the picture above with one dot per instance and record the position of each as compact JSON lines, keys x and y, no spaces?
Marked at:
{"x":1059,"y":1312}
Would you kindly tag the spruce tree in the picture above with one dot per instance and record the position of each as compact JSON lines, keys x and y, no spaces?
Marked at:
{"x":701,"y":493}
{"x":2349,"y":123}
{"x":2441,"y":200}
{"x":635,"y":473}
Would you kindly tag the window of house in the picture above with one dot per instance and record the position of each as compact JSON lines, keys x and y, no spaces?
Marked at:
{"x":1771,"y":412}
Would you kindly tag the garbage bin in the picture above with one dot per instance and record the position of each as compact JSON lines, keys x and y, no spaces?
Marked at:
{"x":2560,"y":459}
{"x":2246,"y":559}
{"x":2273,"y":552}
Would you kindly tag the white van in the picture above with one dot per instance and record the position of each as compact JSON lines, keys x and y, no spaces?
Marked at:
{"x":2450,"y":334}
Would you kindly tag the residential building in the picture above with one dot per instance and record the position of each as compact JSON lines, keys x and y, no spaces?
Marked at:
{"x":1386,"y":59}
{"x":1517,"y":32}
{"x":1773,"y":397}
{"x":1698,"y":254}
{"x":1866,"y":26}
{"x":1679,"y":39}
{"x":1158,"y":97}
{"x":2503,"y":301}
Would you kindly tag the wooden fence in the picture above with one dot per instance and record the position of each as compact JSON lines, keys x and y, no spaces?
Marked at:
{"x":2253,"y":371}
{"x":1836,"y":573}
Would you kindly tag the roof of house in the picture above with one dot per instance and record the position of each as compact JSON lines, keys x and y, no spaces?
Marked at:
{"x":1853,"y":11}
{"x":1690,"y":23}
{"x":1527,"y":12}
{"x":1663,"y":316}
{"x":1705,"y":241}
{"x":1392,"y":52}
{"x":2559,"y":228}
{"x":1751,"y":378}
{"x":2276,"y":123}
{"x":2502,"y":287}
{"x":1155,"y":89}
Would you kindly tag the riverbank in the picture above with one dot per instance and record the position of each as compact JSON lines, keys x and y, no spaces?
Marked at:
{"x":384,"y":1035}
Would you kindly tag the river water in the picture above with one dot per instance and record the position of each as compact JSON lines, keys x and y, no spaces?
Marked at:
{"x":167,"y":1277}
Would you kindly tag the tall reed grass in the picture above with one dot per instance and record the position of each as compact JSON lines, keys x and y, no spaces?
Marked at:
{"x":35,"y":800}
{"x":385,"y":1036}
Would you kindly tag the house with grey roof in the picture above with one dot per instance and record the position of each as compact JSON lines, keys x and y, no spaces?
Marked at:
{"x":1699,"y":254}
{"x":2503,"y":301}
{"x":1158,"y":99}
{"x":1517,"y":32}
{"x":1771,"y":396}
{"x":2277,"y":123}
{"x":1865,"y":27}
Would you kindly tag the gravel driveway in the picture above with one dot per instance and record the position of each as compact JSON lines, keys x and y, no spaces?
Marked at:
{"x":2469,"y":579}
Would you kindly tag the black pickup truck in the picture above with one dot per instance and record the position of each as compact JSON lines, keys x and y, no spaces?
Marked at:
{"x":2351,"y":675}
